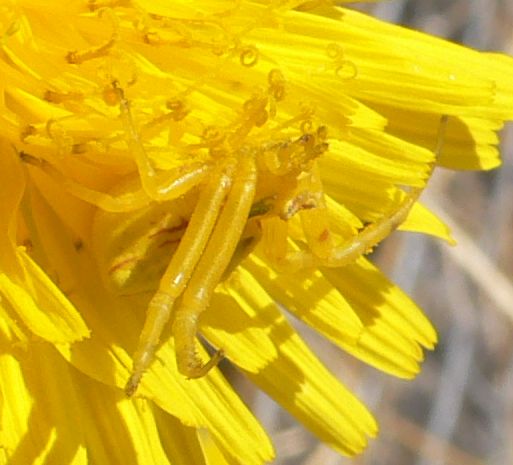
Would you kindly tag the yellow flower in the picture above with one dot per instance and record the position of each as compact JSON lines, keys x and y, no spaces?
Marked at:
{"x":186,"y":167}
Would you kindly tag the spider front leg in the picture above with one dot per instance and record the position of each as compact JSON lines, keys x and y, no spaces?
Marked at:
{"x":154,"y":183}
{"x":178,"y":182}
{"x":179,"y":271}
{"x":373,"y":234}
{"x":345,"y":253}
{"x":213,"y":263}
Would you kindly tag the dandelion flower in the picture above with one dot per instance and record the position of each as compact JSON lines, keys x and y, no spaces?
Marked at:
{"x":173,"y":176}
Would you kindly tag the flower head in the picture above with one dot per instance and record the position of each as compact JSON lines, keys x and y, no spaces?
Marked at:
{"x":176,"y":169}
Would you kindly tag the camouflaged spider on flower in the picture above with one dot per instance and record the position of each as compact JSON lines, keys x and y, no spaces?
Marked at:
{"x":217,"y":229}
{"x":182,"y":241}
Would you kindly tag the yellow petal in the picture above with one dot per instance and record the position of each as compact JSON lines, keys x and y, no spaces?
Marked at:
{"x":118,"y":430}
{"x":369,"y":201}
{"x":181,"y":443}
{"x":36,"y":429}
{"x":420,"y":219}
{"x":41,"y":305}
{"x":10,"y":328}
{"x":303,"y":386}
{"x":13,"y":185}
{"x":298,"y":381}
{"x":60,"y":416}
{"x":209,"y":402}
{"x":469,"y":142}
{"x":239,"y":330}
{"x":215,"y":456}
{"x":14,"y":415}
{"x":30,"y":293}
{"x":393,"y":325}
{"x":311,"y":298}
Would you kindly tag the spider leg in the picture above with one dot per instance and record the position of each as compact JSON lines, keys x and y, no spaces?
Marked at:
{"x":155,"y":184}
{"x":274,"y":240}
{"x":149,"y":177}
{"x":315,"y":220}
{"x":364,"y":241}
{"x":179,"y":271}
{"x":178,"y":182}
{"x":210,"y":269}
{"x":310,"y":205}
{"x":360,"y":244}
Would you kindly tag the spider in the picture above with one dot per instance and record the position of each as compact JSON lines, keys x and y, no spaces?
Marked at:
{"x":247,"y":196}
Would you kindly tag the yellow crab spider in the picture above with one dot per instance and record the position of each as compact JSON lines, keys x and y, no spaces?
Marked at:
{"x":208,"y":245}
{"x":235,"y":207}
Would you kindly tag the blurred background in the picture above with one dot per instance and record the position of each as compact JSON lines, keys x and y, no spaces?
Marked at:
{"x":459,"y":410}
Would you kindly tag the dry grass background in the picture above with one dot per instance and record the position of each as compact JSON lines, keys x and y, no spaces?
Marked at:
{"x":459,"y":410}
